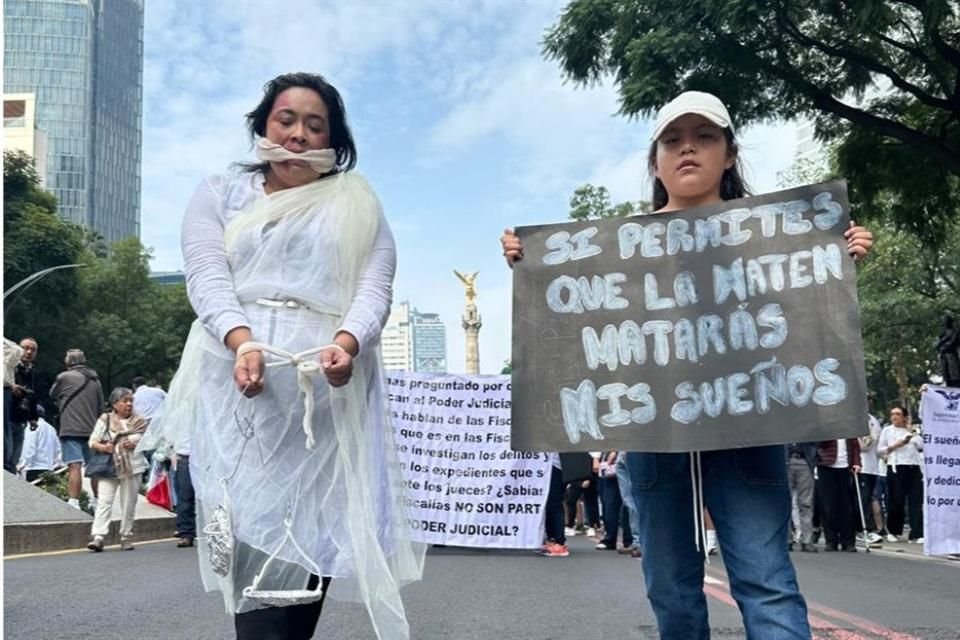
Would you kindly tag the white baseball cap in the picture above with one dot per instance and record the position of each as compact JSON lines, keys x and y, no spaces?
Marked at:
{"x":698,"y":102}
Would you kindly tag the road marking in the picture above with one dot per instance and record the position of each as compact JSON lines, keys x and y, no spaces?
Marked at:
{"x":63,"y":552}
{"x":822,"y":624}
{"x":866,"y":625}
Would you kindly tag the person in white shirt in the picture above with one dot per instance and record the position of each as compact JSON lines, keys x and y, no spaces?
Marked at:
{"x":289,"y":265}
{"x":147,"y":400}
{"x":901,"y":448}
{"x":41,"y":448}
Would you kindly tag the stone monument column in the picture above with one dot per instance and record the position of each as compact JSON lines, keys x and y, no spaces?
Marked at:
{"x":471,"y":321}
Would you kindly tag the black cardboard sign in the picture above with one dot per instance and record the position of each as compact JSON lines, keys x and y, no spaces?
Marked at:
{"x":718,"y":327}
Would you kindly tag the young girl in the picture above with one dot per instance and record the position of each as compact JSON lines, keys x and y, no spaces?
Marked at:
{"x":694,"y":161}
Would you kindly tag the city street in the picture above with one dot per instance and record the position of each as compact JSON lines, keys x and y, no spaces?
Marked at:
{"x":155,"y":592}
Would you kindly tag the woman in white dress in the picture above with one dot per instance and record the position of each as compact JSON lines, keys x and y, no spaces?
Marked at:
{"x":289,"y":265}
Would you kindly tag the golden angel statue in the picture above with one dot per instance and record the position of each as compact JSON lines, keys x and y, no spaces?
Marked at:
{"x":468,"y":280}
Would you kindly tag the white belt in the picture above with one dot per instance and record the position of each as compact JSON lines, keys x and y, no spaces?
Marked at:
{"x":294,"y":305}
{"x":286,"y":303}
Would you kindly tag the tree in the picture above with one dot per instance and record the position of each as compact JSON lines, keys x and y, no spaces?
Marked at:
{"x":125,"y":323}
{"x":36,"y":238}
{"x":131,"y":325}
{"x":589,"y":202}
{"x":904,"y":292}
{"x":882,"y":76}
{"x":905,"y":287}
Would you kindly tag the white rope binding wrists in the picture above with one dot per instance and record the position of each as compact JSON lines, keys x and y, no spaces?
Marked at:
{"x":307,"y":369}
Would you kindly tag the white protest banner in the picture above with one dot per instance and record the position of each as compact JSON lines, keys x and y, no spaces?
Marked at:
{"x":940,"y":412}
{"x":464,"y":485}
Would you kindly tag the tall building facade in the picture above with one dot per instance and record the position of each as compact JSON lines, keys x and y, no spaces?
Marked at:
{"x":20,"y":131}
{"x":83,"y":62}
{"x":414,"y":341}
{"x":429,"y":343}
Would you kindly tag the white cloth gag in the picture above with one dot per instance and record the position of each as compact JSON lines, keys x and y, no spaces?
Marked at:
{"x":322,"y":161}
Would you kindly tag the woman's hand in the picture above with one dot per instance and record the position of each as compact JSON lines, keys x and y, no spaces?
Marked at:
{"x":512,"y":247}
{"x":129,"y":444}
{"x":336,"y":364}
{"x":859,"y":241}
{"x":248,"y":372}
{"x":105,"y":447}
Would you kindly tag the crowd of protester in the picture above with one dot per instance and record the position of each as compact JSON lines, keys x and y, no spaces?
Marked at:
{"x":87,"y":425}
{"x":846,"y":493}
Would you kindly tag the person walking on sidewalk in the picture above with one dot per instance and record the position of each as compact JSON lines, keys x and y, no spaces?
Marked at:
{"x":79,"y":399}
{"x":117,"y":433}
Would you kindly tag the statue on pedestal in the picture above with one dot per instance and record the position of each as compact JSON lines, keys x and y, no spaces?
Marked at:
{"x":471,"y":321}
{"x":948,"y":345}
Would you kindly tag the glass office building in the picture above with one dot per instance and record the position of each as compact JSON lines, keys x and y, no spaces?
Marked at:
{"x":414,"y":341}
{"x":83,"y":60}
{"x":429,"y":343}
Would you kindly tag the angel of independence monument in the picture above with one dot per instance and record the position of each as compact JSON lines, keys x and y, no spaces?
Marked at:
{"x":471,"y":321}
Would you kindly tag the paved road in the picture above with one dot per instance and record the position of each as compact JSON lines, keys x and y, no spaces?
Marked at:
{"x":154,"y":592}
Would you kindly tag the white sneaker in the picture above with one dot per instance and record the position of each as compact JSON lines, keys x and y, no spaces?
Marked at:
{"x":73,"y":502}
{"x":711,"y":542}
{"x":874,"y":538}
{"x":569,"y":532}
{"x":591,"y":532}
{"x":917,"y":541}
{"x":892,"y":538}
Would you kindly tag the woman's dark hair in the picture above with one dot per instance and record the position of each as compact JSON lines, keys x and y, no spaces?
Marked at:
{"x":341,"y":140}
{"x":903,"y":409}
{"x":732,"y":185}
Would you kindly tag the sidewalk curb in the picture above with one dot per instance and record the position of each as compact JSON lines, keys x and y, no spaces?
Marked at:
{"x":37,"y":537}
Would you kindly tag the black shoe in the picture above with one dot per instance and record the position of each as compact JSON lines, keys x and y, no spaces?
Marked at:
{"x":850,"y":548}
{"x":789,"y":546}
{"x":807,"y":548}
{"x":831,"y":547}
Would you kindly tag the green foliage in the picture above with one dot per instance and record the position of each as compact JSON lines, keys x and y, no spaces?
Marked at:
{"x":589,"y":202}
{"x":905,"y":289}
{"x":883,"y":78}
{"x":905,"y":286}
{"x":125,"y":323}
{"x":56,"y":484}
{"x":35,"y":238}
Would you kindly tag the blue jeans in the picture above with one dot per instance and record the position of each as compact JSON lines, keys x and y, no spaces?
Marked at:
{"x":623,"y":481}
{"x":553,"y":509}
{"x":186,"y":502}
{"x":746,"y":493}
{"x":614,"y":513}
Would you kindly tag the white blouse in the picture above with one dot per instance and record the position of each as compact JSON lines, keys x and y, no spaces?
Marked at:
{"x":217,"y":200}
{"x":906,"y":455}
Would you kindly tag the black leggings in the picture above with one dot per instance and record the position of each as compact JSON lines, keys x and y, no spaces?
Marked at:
{"x":296,"y":622}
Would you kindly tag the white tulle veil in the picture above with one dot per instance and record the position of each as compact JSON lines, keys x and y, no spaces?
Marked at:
{"x":342,"y":499}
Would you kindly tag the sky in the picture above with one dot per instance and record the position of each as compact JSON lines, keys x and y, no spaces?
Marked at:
{"x":462,"y":129}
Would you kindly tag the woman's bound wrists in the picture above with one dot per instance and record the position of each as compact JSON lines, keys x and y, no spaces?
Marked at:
{"x":248,"y":346}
